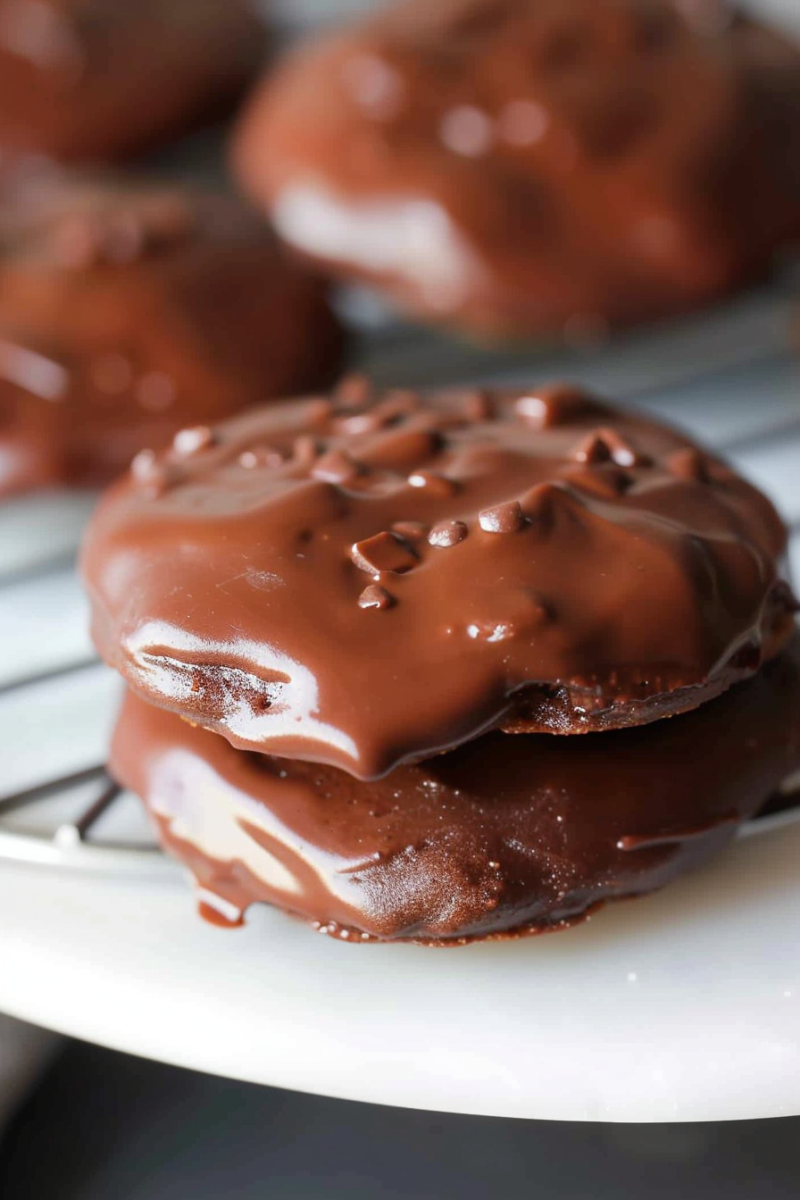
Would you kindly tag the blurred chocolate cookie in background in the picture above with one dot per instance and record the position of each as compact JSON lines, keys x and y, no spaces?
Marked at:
{"x":98,"y":80}
{"x":520,"y":168}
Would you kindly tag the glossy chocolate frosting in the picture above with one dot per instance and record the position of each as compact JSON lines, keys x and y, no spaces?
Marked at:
{"x":366,"y":580}
{"x":506,"y":835}
{"x":535,"y":166}
{"x":130,"y":310}
{"x":93,"y":80}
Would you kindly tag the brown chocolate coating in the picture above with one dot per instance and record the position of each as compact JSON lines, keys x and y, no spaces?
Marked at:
{"x":366,"y":582}
{"x":532,"y":167}
{"x":130,"y":311}
{"x":98,"y":80}
{"x":504,"y":836}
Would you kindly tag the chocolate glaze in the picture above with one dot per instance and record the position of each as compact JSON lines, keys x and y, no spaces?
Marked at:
{"x":504,"y":836}
{"x":94,"y":80}
{"x":128,"y":311}
{"x":535,"y":166}
{"x":361,"y":582}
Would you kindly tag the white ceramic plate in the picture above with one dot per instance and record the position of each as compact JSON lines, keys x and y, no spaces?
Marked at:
{"x":682,"y":1006}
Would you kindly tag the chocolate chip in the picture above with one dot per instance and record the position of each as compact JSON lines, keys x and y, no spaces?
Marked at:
{"x":336,"y":467}
{"x":191,"y":441}
{"x":357,"y":422}
{"x":435,"y":485}
{"x":398,"y":402}
{"x":143,"y":466}
{"x":150,"y":473}
{"x":318,"y":411}
{"x":513,"y":614}
{"x":261,"y":456}
{"x":592,"y":449}
{"x":689,"y":464}
{"x":412,"y":531}
{"x":503,"y":518}
{"x":447,"y":534}
{"x":479,"y":405}
{"x":402,"y":448}
{"x":602,"y":445}
{"x":441,"y":422}
{"x":383,"y":552}
{"x":606,"y":481}
{"x":375,"y":596}
{"x":558,"y":404}
{"x":353,"y":391}
{"x":621,"y":450}
{"x":371,"y":418}
{"x":543,"y":503}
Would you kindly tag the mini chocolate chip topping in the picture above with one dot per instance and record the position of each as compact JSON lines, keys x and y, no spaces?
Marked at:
{"x":192,"y":441}
{"x":381,"y":553}
{"x":375,"y":596}
{"x":447,"y":534}
{"x":527,"y":589}
{"x":689,"y":464}
{"x":503,"y":518}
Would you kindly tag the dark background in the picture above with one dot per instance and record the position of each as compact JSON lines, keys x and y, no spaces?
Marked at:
{"x":104,"y":1126}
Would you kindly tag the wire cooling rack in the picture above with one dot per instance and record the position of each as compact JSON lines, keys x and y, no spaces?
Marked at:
{"x":730,"y":377}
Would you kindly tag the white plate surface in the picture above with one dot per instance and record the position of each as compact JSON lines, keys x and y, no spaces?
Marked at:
{"x":682,"y":1006}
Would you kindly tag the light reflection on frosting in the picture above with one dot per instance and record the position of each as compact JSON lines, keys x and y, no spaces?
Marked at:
{"x":188,"y":796}
{"x":291,"y":688}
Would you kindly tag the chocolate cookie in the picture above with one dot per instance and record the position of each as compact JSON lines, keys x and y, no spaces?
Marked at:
{"x":366,"y":580}
{"x":94,"y":80}
{"x":528,"y":167}
{"x":128,"y":312}
{"x":502,"y":837}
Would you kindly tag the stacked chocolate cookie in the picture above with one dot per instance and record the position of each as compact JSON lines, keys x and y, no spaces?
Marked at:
{"x":535,"y":167}
{"x":444,"y":667}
